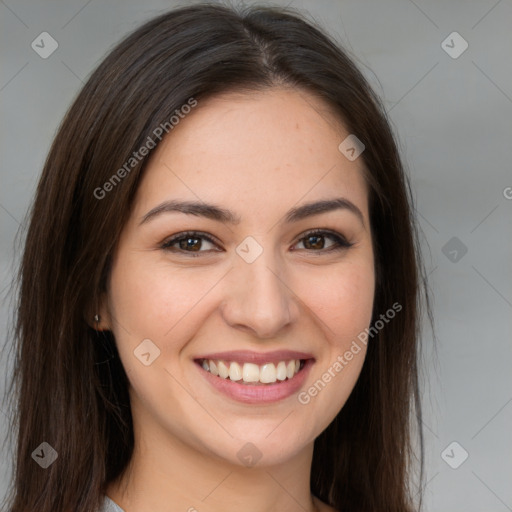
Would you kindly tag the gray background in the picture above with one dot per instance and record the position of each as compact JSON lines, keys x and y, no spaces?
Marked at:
{"x":453,"y":118}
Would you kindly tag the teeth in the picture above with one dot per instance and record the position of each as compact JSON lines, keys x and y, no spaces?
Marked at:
{"x":213,"y":368}
{"x":223,"y":370}
{"x":268,"y":373}
{"x":290,"y":369}
{"x":252,"y":373}
{"x":235,"y":372}
{"x":280,"y":371}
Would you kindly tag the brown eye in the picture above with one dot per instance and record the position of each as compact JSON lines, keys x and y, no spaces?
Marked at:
{"x":314,"y":242}
{"x":192,"y":242}
{"x":323,"y":241}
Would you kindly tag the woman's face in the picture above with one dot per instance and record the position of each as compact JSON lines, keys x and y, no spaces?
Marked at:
{"x":253,"y":290}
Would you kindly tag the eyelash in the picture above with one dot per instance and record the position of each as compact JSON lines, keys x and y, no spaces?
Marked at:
{"x":340,"y":243}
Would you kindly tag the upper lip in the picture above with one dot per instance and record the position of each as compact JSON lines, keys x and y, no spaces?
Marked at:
{"x":248,"y":356}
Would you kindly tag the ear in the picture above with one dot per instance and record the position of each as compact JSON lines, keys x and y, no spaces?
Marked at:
{"x":98,"y":317}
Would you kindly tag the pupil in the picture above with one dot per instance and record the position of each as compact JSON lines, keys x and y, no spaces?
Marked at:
{"x":318,"y":242}
{"x":190,"y":243}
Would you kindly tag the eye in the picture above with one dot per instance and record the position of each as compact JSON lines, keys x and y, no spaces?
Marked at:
{"x":321,"y":240}
{"x":190,"y":242}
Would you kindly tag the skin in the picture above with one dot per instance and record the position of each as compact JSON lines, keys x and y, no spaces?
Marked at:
{"x":258,"y":155}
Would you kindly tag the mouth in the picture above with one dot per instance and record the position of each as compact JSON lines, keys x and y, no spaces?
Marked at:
{"x":256,"y":378}
{"x":251,"y":373}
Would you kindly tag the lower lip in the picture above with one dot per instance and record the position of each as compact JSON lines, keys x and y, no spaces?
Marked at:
{"x":260,"y":394}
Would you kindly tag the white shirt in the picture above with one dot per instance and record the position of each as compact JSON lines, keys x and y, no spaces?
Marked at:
{"x":110,"y":506}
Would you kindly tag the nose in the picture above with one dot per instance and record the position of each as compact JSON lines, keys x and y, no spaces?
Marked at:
{"x":259,"y":300}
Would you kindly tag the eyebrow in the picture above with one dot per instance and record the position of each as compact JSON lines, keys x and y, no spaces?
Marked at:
{"x":213,"y":212}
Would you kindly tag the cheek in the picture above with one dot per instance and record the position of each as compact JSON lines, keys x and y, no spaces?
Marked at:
{"x":344,"y":303}
{"x":149,"y":306}
{"x":150,"y":300}
{"x":343,"y":299}
{"x":162,"y":304}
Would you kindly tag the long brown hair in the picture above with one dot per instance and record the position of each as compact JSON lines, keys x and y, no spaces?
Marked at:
{"x":69,"y":388}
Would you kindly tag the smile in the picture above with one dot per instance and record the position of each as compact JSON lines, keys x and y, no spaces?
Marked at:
{"x":251,"y":373}
{"x":255,"y":378}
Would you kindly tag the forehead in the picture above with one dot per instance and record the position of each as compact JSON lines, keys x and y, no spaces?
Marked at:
{"x":254,"y":150}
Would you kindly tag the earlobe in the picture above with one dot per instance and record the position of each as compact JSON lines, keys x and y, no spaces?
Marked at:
{"x":100,"y":317}
{"x":99,"y":324}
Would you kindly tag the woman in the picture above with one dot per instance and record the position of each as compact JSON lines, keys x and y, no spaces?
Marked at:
{"x":219,"y":292}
